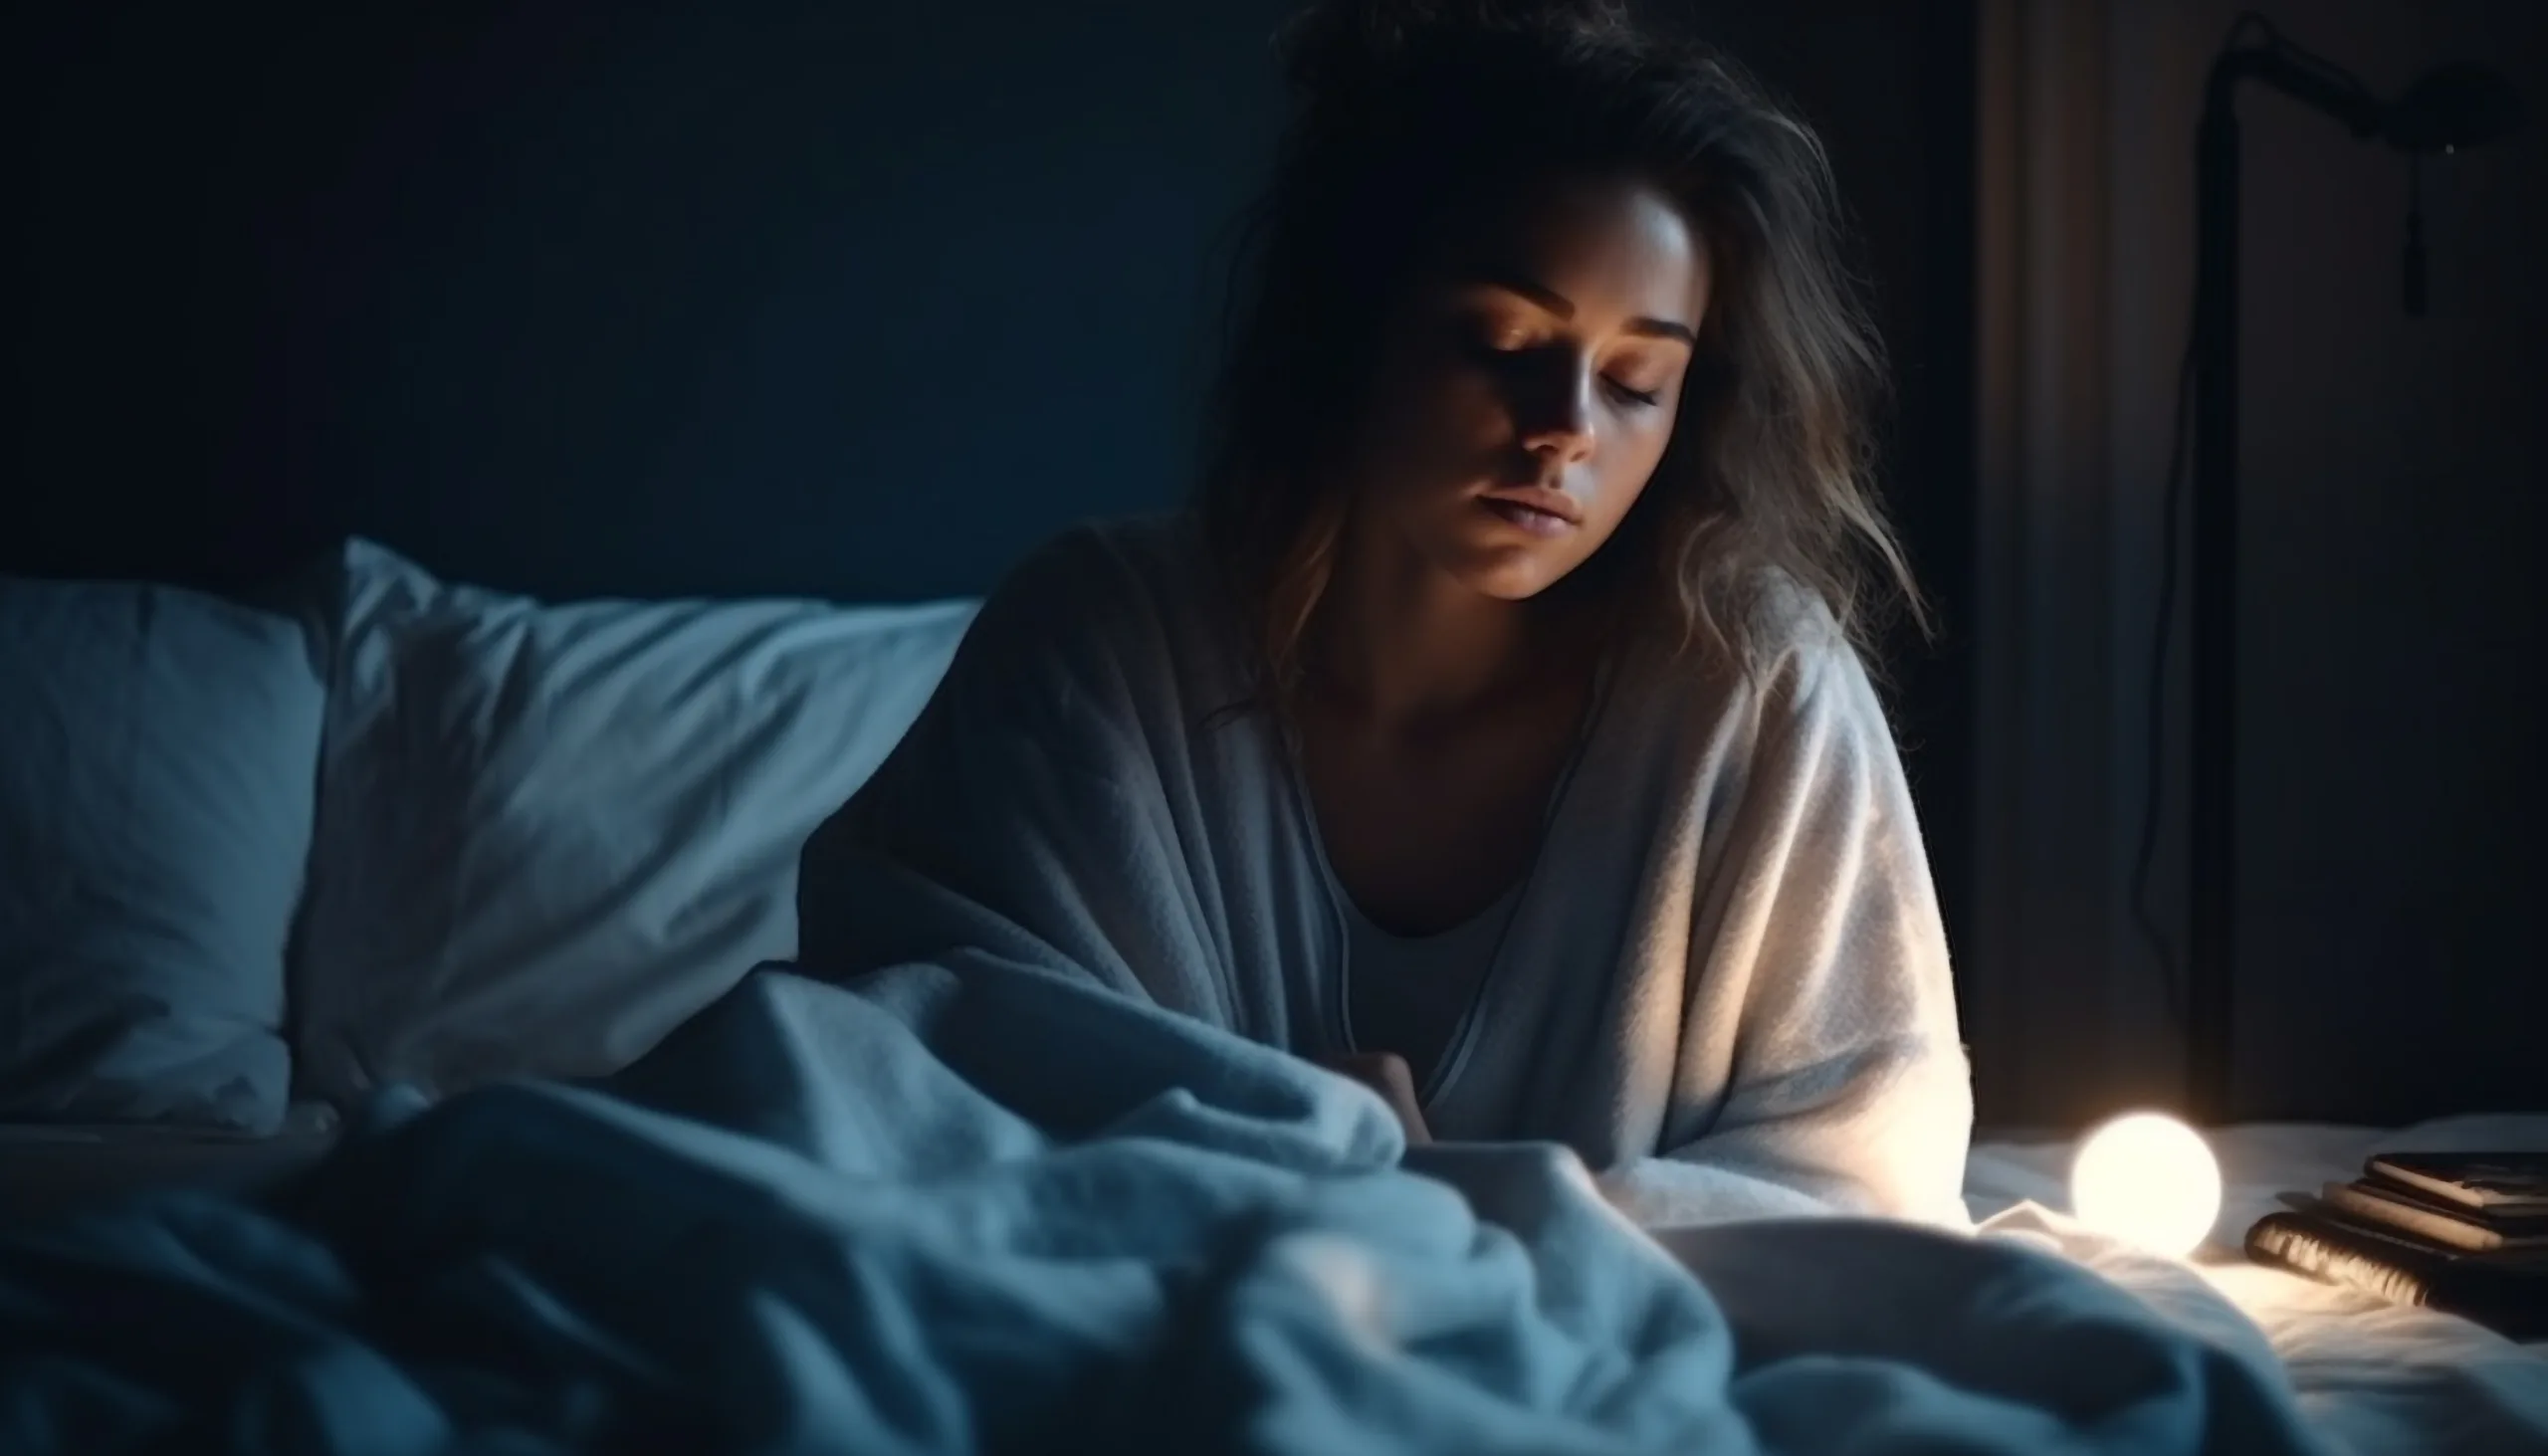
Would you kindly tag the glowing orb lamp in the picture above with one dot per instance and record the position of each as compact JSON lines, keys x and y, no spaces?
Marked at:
{"x":2147,"y":1179}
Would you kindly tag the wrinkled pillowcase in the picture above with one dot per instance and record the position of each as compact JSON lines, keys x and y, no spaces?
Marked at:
{"x":550,"y":833}
{"x":158,"y":753}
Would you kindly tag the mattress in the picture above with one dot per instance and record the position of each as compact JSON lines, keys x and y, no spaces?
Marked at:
{"x":2376,"y":1377}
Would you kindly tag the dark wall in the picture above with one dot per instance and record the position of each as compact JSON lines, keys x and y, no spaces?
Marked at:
{"x":852,"y":298}
{"x":2390,"y":793}
{"x":2388,"y":958}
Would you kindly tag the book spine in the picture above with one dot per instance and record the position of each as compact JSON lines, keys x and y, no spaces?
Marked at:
{"x":2275,"y":1241}
{"x":2439,"y":1227}
{"x":2406,"y":1177}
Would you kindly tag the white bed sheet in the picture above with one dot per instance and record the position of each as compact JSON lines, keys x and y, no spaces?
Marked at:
{"x":2373,"y":1377}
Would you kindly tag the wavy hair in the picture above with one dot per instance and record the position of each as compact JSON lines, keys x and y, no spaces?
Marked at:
{"x":1412,"y":116}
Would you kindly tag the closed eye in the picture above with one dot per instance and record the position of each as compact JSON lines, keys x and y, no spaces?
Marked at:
{"x":1505,"y":348}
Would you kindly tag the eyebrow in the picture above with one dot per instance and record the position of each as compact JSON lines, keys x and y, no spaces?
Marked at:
{"x":1563,"y":308}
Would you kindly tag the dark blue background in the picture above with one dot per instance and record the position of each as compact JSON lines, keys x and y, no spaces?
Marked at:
{"x":844,"y":299}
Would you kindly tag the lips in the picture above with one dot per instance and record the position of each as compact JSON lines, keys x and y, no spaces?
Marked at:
{"x":1541,"y":523}
{"x":1542,"y":498}
{"x":1535,"y":508}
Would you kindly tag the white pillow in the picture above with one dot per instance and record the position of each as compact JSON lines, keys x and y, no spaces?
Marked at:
{"x":158,"y":750}
{"x":549,"y":834}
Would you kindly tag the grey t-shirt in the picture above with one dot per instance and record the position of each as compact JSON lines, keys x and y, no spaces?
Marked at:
{"x":1407,"y":993}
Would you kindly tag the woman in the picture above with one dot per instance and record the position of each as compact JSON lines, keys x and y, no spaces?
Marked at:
{"x":1490,"y":729}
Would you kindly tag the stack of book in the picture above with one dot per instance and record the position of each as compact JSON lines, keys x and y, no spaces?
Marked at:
{"x":2462,"y":1232}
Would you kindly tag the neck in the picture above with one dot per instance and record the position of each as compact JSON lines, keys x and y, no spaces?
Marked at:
{"x":1398,"y":642}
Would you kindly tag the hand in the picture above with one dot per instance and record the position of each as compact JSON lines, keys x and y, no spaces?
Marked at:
{"x":1386,"y":1074}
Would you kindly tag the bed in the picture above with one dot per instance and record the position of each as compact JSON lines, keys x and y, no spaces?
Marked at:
{"x":2376,"y":1376}
{"x":467,"y":1038}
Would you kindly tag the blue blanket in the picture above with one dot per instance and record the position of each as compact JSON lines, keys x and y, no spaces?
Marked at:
{"x":976,"y":1208}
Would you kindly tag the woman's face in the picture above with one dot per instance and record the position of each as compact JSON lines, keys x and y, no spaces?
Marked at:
{"x":1529,"y":385}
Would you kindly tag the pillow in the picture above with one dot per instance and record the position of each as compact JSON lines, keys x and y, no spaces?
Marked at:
{"x":158,"y":753}
{"x":550,"y":833}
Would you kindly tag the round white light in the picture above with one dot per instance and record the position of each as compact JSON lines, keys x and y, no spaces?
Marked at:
{"x":2147,"y":1179}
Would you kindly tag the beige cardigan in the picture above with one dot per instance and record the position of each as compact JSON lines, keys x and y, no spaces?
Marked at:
{"x":1725,"y":984}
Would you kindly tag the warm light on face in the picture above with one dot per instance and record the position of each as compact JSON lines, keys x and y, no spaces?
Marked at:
{"x":2147,"y":1179}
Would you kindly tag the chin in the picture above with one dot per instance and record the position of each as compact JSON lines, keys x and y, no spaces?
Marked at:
{"x":1489,"y":557}
{"x":1505,"y":572}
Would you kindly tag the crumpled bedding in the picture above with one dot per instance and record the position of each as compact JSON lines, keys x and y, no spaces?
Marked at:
{"x":975,"y":1206}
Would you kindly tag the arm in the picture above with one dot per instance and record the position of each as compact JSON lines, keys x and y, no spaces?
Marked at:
{"x":1818,"y":951}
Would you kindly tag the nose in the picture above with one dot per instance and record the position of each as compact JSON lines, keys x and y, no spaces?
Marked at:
{"x":1557,"y":418}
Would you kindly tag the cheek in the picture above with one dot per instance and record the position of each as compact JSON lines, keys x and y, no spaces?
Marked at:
{"x":1636,"y":448}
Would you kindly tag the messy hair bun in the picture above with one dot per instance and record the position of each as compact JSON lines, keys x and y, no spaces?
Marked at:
{"x":1416,"y":118}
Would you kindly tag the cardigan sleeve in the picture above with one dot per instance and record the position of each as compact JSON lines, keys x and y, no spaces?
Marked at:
{"x":1818,"y":950}
{"x":1023,"y":815}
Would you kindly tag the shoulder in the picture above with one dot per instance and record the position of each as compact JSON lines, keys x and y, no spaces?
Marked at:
{"x":1097,"y":582}
{"x":1144,"y":545}
{"x":1799,"y":667}
{"x":1799,"y":729}
{"x":1805,"y":667}
{"x":1126,"y":612}
{"x":1104,"y":566}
